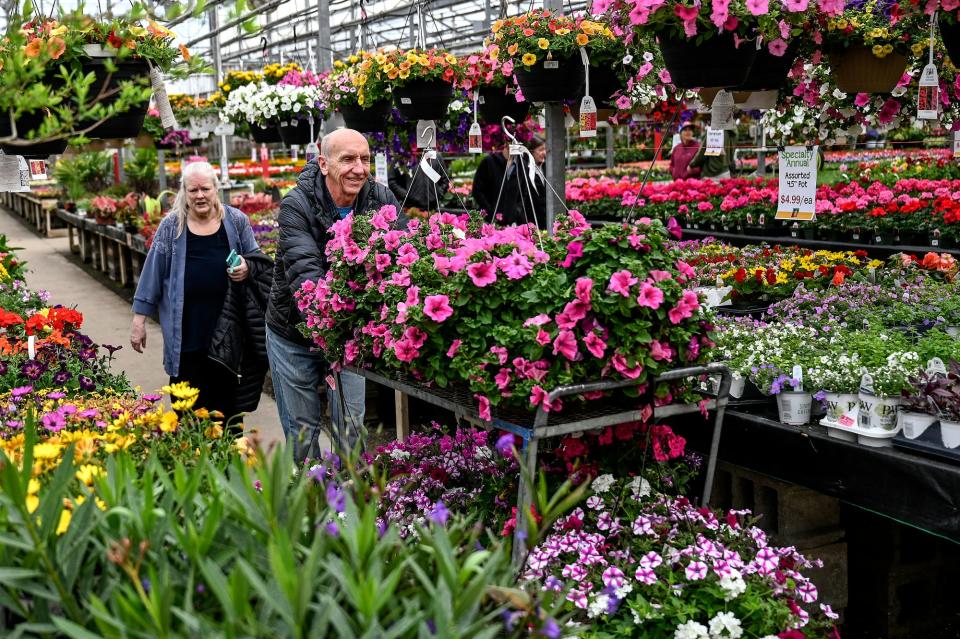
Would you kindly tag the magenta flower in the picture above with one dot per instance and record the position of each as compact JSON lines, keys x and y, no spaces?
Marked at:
{"x":650,"y":296}
{"x":778,"y":47}
{"x":566,"y":344}
{"x":437,"y":307}
{"x":574,"y":252}
{"x":543,"y":337}
{"x":594,"y":344}
{"x":483,"y":405}
{"x":482,"y":273}
{"x":796,"y":5}
{"x":758,"y":7}
{"x":516,"y":266}
{"x":620,"y":282}
{"x":502,"y":379}
{"x":646,"y":576}
{"x":630,"y":372}
{"x":538,"y":320}
{"x":583,"y":288}
{"x":660,"y":352}
{"x":696,"y":570}
{"x":454,"y":347}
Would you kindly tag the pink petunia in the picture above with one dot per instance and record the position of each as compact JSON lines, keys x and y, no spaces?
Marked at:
{"x":483,"y":407}
{"x":650,"y":296}
{"x":778,"y":47}
{"x":502,"y":379}
{"x":758,"y":7}
{"x":686,"y":270}
{"x":574,"y":252}
{"x":594,"y":344}
{"x":660,"y":352}
{"x":537,"y":320}
{"x":543,"y":337}
{"x":696,"y":570}
{"x":630,"y":372}
{"x":454,"y":347}
{"x":482,"y":274}
{"x":437,"y":307}
{"x":659,"y":276}
{"x":382,"y":261}
{"x":583,"y":288}
{"x":566,"y":344}
{"x":620,"y":282}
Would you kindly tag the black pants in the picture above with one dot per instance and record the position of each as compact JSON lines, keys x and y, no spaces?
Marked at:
{"x":217,"y":385}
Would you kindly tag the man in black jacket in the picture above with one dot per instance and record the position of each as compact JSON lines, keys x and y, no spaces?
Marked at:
{"x":328,"y":189}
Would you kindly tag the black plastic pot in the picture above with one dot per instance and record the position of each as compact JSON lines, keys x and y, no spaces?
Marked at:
{"x":495,"y":103}
{"x":423,"y":99}
{"x":803,"y":233}
{"x":939,"y":242}
{"x":603,"y":83}
{"x":373,"y":118}
{"x":715,"y":62}
{"x":108,"y":84}
{"x":551,"y":80}
{"x":26,"y":123}
{"x":950,"y":33}
{"x":265,"y":135}
{"x":881,"y":239}
{"x":299,"y":134}
{"x":769,"y":71}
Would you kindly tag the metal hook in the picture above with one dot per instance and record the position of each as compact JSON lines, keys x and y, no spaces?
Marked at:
{"x":433,"y":136}
{"x":263,"y":45}
{"x":503,"y":125}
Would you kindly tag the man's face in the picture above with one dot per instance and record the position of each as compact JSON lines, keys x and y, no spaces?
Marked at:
{"x":348,"y":166}
{"x":686,"y":134}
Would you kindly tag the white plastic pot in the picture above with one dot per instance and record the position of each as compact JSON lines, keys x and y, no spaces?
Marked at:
{"x":737,"y":384}
{"x":950,"y":433}
{"x":953,"y":331}
{"x":794,"y":407}
{"x":877,"y":414}
{"x":915,"y":424}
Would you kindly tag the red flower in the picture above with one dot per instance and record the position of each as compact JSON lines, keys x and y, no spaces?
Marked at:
{"x":740,"y":275}
{"x":114,"y":41}
{"x":771,"y":277}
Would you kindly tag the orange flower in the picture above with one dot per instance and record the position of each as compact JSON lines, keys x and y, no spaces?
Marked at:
{"x":512,"y":49}
{"x":56,"y":47}
{"x":582,"y":39}
{"x":838,"y":278}
{"x":185,"y":53}
{"x":931,"y":260}
{"x":157,"y":30}
{"x":32,"y":50}
{"x":528,"y":32}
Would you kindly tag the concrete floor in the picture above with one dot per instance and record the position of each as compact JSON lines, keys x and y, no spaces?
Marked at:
{"x":107,"y":316}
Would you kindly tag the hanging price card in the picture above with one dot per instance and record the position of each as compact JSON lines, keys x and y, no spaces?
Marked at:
{"x":588,"y":108}
{"x":928,"y":95}
{"x":797,"y":197}
{"x":38,"y":169}
{"x":714,"y":142}
{"x":721,"y":111}
{"x":380,"y":164}
{"x":956,"y":143}
{"x":475,"y":138}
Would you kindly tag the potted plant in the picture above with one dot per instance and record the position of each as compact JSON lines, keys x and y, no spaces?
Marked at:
{"x":493,"y":81}
{"x":947,"y":398}
{"x":880,"y":394}
{"x":423,"y":86}
{"x":359,"y":89}
{"x":103,"y":209}
{"x":834,"y":376}
{"x":248,"y":104}
{"x":919,"y":404}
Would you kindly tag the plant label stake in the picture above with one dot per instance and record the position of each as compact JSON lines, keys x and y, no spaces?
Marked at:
{"x":588,"y":109}
{"x":798,"y":375}
{"x":928,"y":94}
{"x":38,"y":169}
{"x":936,"y":367}
{"x":253,"y":154}
{"x":956,"y":143}
{"x":32,"y":346}
{"x":167,"y":118}
{"x":721,"y":111}
{"x":475,"y":137}
{"x":714,"y":142}
{"x":797,"y":196}
{"x":380,"y":162}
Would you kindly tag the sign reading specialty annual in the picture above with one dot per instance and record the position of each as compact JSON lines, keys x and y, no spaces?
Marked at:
{"x":797,"y":197}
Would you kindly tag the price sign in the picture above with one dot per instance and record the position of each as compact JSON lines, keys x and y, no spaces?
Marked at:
{"x":224,"y":129}
{"x":313,"y":151}
{"x":956,"y":143}
{"x":475,"y":138}
{"x":38,"y":169}
{"x":380,"y":164}
{"x":714,"y":142}
{"x":797,"y":197}
{"x":721,"y":111}
{"x":928,"y":95}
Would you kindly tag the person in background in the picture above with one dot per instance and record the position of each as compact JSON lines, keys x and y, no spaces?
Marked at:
{"x":329,"y":188}
{"x":717,"y":167}
{"x":488,"y":179}
{"x":683,"y":153}
{"x":420,"y":191}
{"x":525,"y":188}
{"x":185,"y":281}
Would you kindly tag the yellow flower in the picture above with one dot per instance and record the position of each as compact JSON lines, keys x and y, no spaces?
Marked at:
{"x":528,"y":59}
{"x":878,"y":51}
{"x":64,"y":522}
{"x":214,"y":431}
{"x":543,"y":43}
{"x":582,"y":39}
{"x":32,"y":503}
{"x":181,"y":390}
{"x":562,"y":31}
{"x":781,"y":278}
{"x":450,"y":58}
{"x":88,"y":472}
{"x":46,"y":450}
{"x":842,"y":23}
{"x":874,"y":264}
{"x":494,"y":52}
{"x":168,"y":423}
{"x":183,"y":404}
{"x":404,"y":74}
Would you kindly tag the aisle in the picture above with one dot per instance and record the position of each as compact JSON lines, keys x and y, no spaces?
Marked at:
{"x":107,"y":316}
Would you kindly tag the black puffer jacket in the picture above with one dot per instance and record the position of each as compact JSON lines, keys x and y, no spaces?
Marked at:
{"x":239,"y":341}
{"x":306,"y":215}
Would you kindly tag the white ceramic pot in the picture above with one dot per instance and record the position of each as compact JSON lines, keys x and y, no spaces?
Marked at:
{"x":794,"y":407}
{"x":878,"y":414}
{"x":950,"y":433}
{"x":914,"y":424}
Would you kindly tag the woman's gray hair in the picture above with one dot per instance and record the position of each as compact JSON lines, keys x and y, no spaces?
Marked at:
{"x":193,"y":169}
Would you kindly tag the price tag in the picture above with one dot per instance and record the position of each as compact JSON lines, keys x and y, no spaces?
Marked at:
{"x":568,"y":121}
{"x":956,"y":143}
{"x":588,"y":108}
{"x":797,"y":196}
{"x":224,"y":128}
{"x":167,"y":119}
{"x":426,"y":134}
{"x":405,"y":100}
{"x":936,"y":367}
{"x":475,"y":138}
{"x":264,"y":153}
{"x":253,"y":154}
{"x":798,"y":375}
{"x":380,"y":166}
{"x":516,"y":149}
{"x":38,"y":169}
{"x":32,"y":346}
{"x":928,"y":95}
{"x":714,"y":142}
{"x":866,"y":383}
{"x":427,"y":169}
{"x":313,"y":152}
{"x":551,"y":64}
{"x":294,"y":152}
{"x":721,"y":111}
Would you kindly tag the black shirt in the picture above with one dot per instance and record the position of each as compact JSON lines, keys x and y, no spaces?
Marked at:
{"x":204,"y":287}
{"x":487,"y":182}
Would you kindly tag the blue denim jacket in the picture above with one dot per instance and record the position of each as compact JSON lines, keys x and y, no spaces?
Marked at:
{"x":160,"y":290}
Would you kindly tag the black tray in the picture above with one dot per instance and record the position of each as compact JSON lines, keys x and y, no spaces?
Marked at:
{"x":929,"y":444}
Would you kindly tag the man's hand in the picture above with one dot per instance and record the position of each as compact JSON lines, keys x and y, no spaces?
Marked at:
{"x":138,"y":333}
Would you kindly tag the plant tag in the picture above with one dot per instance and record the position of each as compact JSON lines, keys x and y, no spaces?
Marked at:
{"x":956,"y":143}
{"x":721,"y":111}
{"x":797,"y":196}
{"x":313,"y":152}
{"x":264,"y":153}
{"x":714,"y":142}
{"x":588,"y":118}
{"x":294,"y":152}
{"x":427,"y":169}
{"x":928,"y":94}
{"x":866,"y":383}
{"x":936,"y":367}
{"x":380,"y":164}
{"x":24,"y":174}
{"x":475,"y":138}
{"x":32,"y":346}
{"x":167,"y":118}
{"x":406,"y":100}
{"x":568,"y":121}
{"x":10,"y":179}
{"x":516,"y":149}
{"x":224,"y":128}
{"x":426,"y":134}
{"x":798,"y":375}
{"x":551,"y":64}
{"x":38,"y":169}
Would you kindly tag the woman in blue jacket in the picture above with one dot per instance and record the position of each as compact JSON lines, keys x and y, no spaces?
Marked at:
{"x":184,"y":282}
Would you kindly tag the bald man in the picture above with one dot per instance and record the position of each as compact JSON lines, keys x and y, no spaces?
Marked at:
{"x":327,"y":190}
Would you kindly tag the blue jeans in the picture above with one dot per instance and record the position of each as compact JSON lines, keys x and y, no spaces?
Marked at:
{"x":298,"y":378}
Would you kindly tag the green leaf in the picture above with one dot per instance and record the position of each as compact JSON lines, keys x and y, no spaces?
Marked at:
{"x":73,"y":630}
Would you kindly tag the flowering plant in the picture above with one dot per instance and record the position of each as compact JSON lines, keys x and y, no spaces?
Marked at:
{"x":880,"y":25}
{"x":403,"y":67}
{"x":638,"y":558}
{"x":509,"y":313}
{"x":540,"y":34}
{"x":264,"y":103}
{"x":104,"y":209}
{"x":232,"y":80}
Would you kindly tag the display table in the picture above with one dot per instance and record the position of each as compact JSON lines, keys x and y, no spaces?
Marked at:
{"x":39,"y":212}
{"x":108,"y":249}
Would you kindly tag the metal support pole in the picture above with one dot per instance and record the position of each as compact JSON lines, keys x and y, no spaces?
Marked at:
{"x":218,"y":68}
{"x":761,"y":154}
{"x":611,"y":158}
{"x":324,"y":60}
{"x":162,"y":169}
{"x":556,"y":158}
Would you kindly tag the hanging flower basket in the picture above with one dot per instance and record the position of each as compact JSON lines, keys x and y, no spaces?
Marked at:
{"x":297,"y":132}
{"x":604,"y":82}
{"x":769,"y":71}
{"x":123,"y":125}
{"x":494,"y":103}
{"x":423,"y":99}
{"x":269,"y":134}
{"x":371,"y":119}
{"x":25,"y":123}
{"x":857,"y":70}
{"x":552,"y":80}
{"x":714,"y":62}
{"x":950,"y":33}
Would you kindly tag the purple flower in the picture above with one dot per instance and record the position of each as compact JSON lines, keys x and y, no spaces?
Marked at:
{"x":32,"y":369}
{"x":62,"y":377}
{"x":56,"y":395}
{"x":111,"y":349}
{"x":86,"y":384}
{"x":336,"y":499}
{"x":3,"y":368}
{"x":332,"y":529}
{"x":152,"y":398}
{"x":439,"y":514}
{"x":87,"y":353}
{"x":550,"y":629}
{"x":20,"y":391}
{"x":505,"y":444}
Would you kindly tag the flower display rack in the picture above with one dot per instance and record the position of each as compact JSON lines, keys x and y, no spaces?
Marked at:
{"x":532,"y":427}
{"x":38,"y":212}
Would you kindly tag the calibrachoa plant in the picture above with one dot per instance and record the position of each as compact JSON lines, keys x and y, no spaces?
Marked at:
{"x":643,"y":562}
{"x":504,"y":311}
{"x":426,"y":64}
{"x":541,"y":35}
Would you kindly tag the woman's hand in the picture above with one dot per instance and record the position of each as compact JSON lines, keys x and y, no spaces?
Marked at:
{"x":138,"y":333}
{"x":238,"y":273}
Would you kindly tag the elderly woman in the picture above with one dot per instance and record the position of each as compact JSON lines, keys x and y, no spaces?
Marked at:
{"x":185,"y":281}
